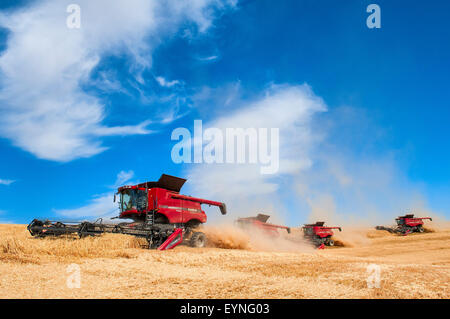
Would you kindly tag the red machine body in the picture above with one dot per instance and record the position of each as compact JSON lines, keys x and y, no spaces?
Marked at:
{"x":173,"y":240}
{"x":319,"y":234}
{"x":260,"y":222}
{"x":162,"y":198}
{"x":411,"y":221}
{"x":406,"y":224}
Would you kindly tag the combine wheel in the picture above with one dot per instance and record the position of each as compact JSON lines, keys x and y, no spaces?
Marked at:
{"x":153,"y":241}
{"x":330,"y":242}
{"x":198,"y":240}
{"x":420,"y":229}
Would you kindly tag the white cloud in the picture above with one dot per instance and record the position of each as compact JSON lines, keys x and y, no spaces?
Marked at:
{"x":224,"y":96}
{"x":289,"y":108}
{"x":6,"y":181}
{"x":43,"y":108}
{"x":163,"y":82}
{"x":209,"y":58}
{"x":100,"y":205}
{"x":123,"y":177}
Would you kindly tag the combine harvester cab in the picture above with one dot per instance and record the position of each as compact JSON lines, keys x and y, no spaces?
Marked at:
{"x":319,"y":234}
{"x":260,"y":223}
{"x":406,"y":224}
{"x":159,"y":212}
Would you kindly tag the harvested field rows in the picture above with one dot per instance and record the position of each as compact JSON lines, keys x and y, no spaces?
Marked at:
{"x":112,"y":266}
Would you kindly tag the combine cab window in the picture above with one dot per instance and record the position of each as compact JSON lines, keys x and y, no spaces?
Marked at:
{"x":132,"y":199}
{"x":126,"y":202}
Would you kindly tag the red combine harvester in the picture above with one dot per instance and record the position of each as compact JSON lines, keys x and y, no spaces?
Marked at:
{"x":319,"y":234}
{"x":406,"y":224}
{"x":159,"y":212}
{"x":260,"y":222}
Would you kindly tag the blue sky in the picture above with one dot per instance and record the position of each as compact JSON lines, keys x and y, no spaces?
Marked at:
{"x":85,"y":109}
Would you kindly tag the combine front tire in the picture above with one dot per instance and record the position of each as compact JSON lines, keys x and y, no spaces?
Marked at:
{"x":330,"y":242}
{"x":198,"y":240}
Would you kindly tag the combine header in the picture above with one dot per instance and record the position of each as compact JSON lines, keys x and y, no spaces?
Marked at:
{"x":406,"y":224}
{"x":159,"y":212}
{"x":319,"y":234}
{"x":260,"y":222}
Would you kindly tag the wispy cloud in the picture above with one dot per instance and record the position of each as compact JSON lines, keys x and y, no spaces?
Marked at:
{"x":224,"y":97}
{"x":101,"y":205}
{"x":44,"y":109}
{"x":208,"y":58}
{"x":123,"y":177}
{"x":6,"y":181}
{"x":163,"y":82}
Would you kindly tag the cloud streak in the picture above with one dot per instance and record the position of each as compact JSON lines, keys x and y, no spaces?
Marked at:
{"x":101,"y":205}
{"x":165,"y":83}
{"x":6,"y":182}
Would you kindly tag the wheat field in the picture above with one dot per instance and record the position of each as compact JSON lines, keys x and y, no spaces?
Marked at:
{"x":235,"y":266}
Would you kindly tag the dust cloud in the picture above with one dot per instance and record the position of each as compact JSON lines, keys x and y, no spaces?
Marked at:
{"x":230,"y":236}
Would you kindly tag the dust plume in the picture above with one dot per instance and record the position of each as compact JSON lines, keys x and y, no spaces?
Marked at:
{"x":439,"y":222}
{"x":352,"y":236}
{"x":227,"y":237}
{"x":251,"y":238}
